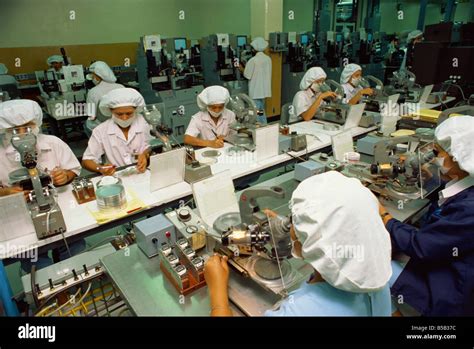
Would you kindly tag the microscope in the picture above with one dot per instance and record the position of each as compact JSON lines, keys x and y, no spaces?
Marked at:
{"x":41,"y":201}
{"x":259,"y":246}
{"x":246,"y":122}
{"x":333,"y":110}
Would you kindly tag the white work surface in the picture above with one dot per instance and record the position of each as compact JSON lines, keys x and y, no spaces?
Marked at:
{"x":78,"y":219}
{"x":245,"y":162}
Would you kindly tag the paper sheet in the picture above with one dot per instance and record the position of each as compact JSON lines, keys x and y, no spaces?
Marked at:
{"x":266,"y":141}
{"x":215,"y":196}
{"x":354,"y":116}
{"x":342,"y":143}
{"x":167,"y":169}
{"x":15,"y":217}
{"x":134,"y":204}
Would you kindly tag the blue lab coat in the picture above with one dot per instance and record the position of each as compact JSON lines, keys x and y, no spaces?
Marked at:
{"x":439,"y":278}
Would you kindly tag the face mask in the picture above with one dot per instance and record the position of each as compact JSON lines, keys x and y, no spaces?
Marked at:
{"x":35,"y":130}
{"x":316,"y":87}
{"x":95,"y":81}
{"x":438,"y":161}
{"x":356,"y":81}
{"x":123,"y":123}
{"x":215,"y":114}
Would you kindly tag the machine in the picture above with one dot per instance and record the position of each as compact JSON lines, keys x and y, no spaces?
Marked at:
{"x":170,"y":78}
{"x":258,"y":246}
{"x":61,"y":91}
{"x":221,"y":56}
{"x":333,"y":109}
{"x":246,"y":122}
{"x":403,"y":83}
{"x":41,"y":201}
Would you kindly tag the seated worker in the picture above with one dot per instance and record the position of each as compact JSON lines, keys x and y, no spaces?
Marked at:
{"x":307,"y":101}
{"x":104,"y":80}
{"x":350,"y":81}
{"x":210,"y":126}
{"x":123,"y":139}
{"x":55,"y":63}
{"x":324,"y":221}
{"x":54,"y":157}
{"x":439,"y":277}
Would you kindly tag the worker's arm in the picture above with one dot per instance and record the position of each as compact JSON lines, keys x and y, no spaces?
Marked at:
{"x":359,"y":94}
{"x":4,"y":191}
{"x":198,"y":142}
{"x":445,"y":237}
{"x":62,"y":177}
{"x":142,"y":160}
{"x":216,"y":273}
{"x":91,"y":165}
{"x":309,"y":114}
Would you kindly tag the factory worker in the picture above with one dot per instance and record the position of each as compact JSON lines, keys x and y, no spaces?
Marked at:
{"x":353,"y":282}
{"x":54,"y":156}
{"x":414,"y":37}
{"x":350,"y":81}
{"x":104,"y":80}
{"x":259,"y":73}
{"x":439,"y":277}
{"x":55,"y":63}
{"x":307,"y":101}
{"x":123,"y":138}
{"x":211,"y":125}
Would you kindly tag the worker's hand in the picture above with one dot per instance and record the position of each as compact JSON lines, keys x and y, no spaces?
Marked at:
{"x":216,"y":273}
{"x":10,"y":190}
{"x":107,"y":169}
{"x":328,"y":94}
{"x":426,"y":174}
{"x":142,"y":162}
{"x":367,"y":92}
{"x":269,"y":213}
{"x":59,"y":176}
{"x":382,"y":211}
{"x":216,"y":143}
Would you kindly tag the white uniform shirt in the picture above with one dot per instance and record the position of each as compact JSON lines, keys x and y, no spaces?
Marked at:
{"x":349,"y":92}
{"x":52,"y":153}
{"x":203,"y":126}
{"x":95,"y":94}
{"x":302,"y":101}
{"x":259,"y":73}
{"x":108,"y":139}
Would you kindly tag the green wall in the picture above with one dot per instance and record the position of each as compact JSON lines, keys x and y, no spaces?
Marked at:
{"x":303,"y":15}
{"x":46,"y":22}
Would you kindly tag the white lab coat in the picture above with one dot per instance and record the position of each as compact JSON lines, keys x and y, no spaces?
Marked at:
{"x":52,"y":152}
{"x":349,"y":92}
{"x":108,"y":139}
{"x":203,"y":126}
{"x":259,"y":73}
{"x":95,"y":94}
{"x":302,"y":101}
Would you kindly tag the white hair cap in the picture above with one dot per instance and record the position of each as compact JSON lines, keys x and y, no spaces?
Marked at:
{"x":18,"y":112}
{"x":213,"y":95}
{"x":349,"y":69}
{"x":337,"y":221}
{"x":311,"y":76}
{"x":121,"y":97}
{"x":456,"y":136}
{"x":102,"y":70}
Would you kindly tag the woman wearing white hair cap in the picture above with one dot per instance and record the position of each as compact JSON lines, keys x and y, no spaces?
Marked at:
{"x":104,"y":80}
{"x":351,"y":77}
{"x":439,"y":278}
{"x":124,"y":138}
{"x":258,"y":71}
{"x":211,"y":125}
{"x":54,"y":156}
{"x":343,"y":240}
{"x":312,"y":92}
